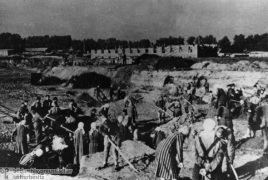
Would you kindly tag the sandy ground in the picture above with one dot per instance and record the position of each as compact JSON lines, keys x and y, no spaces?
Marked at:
{"x":249,"y":162}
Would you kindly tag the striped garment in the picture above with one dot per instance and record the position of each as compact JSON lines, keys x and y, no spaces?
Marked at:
{"x":27,"y":160}
{"x":166,"y":152}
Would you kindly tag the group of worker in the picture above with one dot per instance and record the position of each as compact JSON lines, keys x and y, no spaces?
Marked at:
{"x":30,"y":125}
{"x":118,"y":93}
{"x":214,"y":142}
{"x":111,"y":132}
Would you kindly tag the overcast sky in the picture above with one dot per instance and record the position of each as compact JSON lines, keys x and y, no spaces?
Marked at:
{"x":134,"y":19}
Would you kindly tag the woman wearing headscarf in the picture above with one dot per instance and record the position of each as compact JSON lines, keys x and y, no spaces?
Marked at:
{"x":169,"y":155}
{"x":209,"y":153}
{"x":95,"y":138}
{"x":79,"y":143}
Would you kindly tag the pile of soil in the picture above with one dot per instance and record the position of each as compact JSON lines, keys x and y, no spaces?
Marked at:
{"x":243,"y":65}
{"x":138,"y":153}
{"x":91,"y":79}
{"x":173,"y":63}
{"x":147,"y":60}
{"x":86,"y":98}
{"x":123,"y":75}
{"x":50,"y":80}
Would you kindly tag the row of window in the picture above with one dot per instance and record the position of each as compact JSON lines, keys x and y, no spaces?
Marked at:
{"x":146,"y":50}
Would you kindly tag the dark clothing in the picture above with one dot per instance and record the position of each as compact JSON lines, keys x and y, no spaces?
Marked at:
{"x":21,"y":112}
{"x":132,"y":113}
{"x":54,"y":110}
{"x":177,"y":109}
{"x":221,"y":99}
{"x":213,"y":155}
{"x":47,"y":104}
{"x":29,"y":121}
{"x":230,"y":97}
{"x":169,"y":154}
{"x":94,"y":142}
{"x":128,"y":128}
{"x":78,"y":146}
{"x":112,"y":129}
{"x":51,"y":160}
{"x":251,"y":122}
{"x":36,"y":106}
{"x":161,"y":104}
{"x":225,"y":117}
{"x":21,"y":139}
{"x":158,"y":137}
{"x":104,"y":111}
{"x":226,"y":120}
{"x":37,"y":124}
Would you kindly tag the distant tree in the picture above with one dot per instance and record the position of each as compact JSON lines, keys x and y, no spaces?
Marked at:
{"x":191,"y":40}
{"x":169,"y":41}
{"x":11,"y":41}
{"x":209,"y":40}
{"x":199,"y":40}
{"x":239,"y":44}
{"x":224,"y":44}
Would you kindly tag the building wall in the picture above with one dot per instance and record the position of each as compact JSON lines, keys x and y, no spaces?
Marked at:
{"x":178,"y":51}
{"x":258,"y":54}
{"x":4,"y":52}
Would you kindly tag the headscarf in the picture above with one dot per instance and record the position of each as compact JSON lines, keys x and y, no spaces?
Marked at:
{"x":120,"y":119}
{"x":80,"y":127}
{"x":208,"y":134}
{"x":158,"y":129}
{"x":39,"y":152}
{"x":23,"y":122}
{"x":93,"y":128}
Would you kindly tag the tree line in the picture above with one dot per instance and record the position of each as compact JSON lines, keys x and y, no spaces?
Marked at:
{"x":240,"y":43}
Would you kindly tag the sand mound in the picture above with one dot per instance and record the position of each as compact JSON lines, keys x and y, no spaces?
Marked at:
{"x":86,"y":98}
{"x":132,"y":150}
{"x":242,"y":65}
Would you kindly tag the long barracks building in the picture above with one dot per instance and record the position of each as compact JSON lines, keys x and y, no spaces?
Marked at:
{"x":185,"y":51}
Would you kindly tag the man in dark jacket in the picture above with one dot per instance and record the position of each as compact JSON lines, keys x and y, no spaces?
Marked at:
{"x":37,"y":104}
{"x":161,"y":104}
{"x":111,"y":132}
{"x":47,"y":103}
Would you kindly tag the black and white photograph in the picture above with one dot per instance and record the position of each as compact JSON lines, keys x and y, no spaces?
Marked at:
{"x":134,"y":89}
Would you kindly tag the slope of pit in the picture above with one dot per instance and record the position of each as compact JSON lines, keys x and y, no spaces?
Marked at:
{"x":134,"y":151}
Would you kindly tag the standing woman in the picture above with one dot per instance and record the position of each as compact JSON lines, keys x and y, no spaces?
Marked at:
{"x":95,"y":138}
{"x":21,"y":138}
{"x":79,"y":143}
{"x":169,"y":155}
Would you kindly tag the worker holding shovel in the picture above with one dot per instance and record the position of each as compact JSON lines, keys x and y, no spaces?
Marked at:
{"x":111,"y":132}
